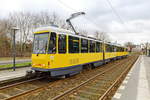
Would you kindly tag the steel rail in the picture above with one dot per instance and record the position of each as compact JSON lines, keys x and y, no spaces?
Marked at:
{"x":76,"y":87}
{"x":115,"y":85}
{"x":32,"y":90}
{"x":15,"y":84}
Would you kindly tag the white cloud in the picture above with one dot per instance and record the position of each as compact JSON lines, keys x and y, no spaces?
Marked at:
{"x":135,"y":14}
{"x":9,"y":6}
{"x":138,"y":31}
{"x":133,"y":26}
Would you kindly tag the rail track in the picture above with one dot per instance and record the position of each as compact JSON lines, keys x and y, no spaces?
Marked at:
{"x":13,"y":89}
{"x":100,"y":87}
{"x":23,"y":87}
{"x":70,"y":88}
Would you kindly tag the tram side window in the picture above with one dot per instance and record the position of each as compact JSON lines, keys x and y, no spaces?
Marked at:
{"x":84,"y":45}
{"x":101,"y":47}
{"x":97,"y":47}
{"x":62,"y":43}
{"x":108,"y":48}
{"x":122,"y":49}
{"x":52,"y":43}
{"x":73,"y":44}
{"x":115,"y":49}
{"x":92,"y":46}
{"x":118,"y":49}
{"x":112,"y":48}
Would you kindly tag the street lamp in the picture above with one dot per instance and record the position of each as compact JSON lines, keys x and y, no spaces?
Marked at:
{"x":14,"y":29}
{"x":74,"y":15}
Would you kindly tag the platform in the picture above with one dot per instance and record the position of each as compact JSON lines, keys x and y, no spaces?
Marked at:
{"x":136,"y":85}
{"x":10,"y":74}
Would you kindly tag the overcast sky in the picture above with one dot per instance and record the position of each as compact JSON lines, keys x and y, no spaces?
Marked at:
{"x":99,"y":15}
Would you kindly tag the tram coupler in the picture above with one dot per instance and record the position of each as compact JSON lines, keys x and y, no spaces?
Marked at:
{"x":30,"y":73}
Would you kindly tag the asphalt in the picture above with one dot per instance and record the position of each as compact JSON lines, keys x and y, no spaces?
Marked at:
{"x":136,"y":85}
{"x":17,"y":61}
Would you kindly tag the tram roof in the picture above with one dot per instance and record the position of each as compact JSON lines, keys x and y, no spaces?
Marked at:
{"x":62,"y":31}
{"x":53,"y":29}
{"x":65,"y":31}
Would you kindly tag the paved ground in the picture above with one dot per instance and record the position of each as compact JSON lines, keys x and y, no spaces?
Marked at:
{"x":136,"y":85}
{"x":17,"y":61}
{"x":9,"y":74}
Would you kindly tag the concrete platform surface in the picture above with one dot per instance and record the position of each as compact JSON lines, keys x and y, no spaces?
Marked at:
{"x":10,"y":74}
{"x":136,"y":85}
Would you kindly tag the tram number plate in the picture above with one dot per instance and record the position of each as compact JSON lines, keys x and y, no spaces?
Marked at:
{"x":74,"y":61}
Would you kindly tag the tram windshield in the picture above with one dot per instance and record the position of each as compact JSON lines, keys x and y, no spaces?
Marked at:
{"x":40,"y":43}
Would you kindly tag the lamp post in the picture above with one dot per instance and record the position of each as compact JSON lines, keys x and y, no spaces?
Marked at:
{"x":14,"y":29}
{"x":74,"y":15}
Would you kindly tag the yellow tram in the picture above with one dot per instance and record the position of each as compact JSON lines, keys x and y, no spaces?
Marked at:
{"x":60,"y":52}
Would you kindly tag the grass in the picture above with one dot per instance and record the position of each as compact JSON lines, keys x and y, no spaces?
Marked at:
{"x":17,"y":65}
{"x":10,"y":58}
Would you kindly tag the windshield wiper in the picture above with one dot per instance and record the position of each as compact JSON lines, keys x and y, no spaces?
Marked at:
{"x":42,"y":49}
{"x":39,"y":51}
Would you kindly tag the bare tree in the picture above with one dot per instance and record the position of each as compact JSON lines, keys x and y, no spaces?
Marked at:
{"x":145,"y":47}
{"x":27,"y":22}
{"x":102,"y":36}
{"x":130,"y":45}
{"x":5,"y":38}
{"x":46,"y":18}
{"x":23,"y":20}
